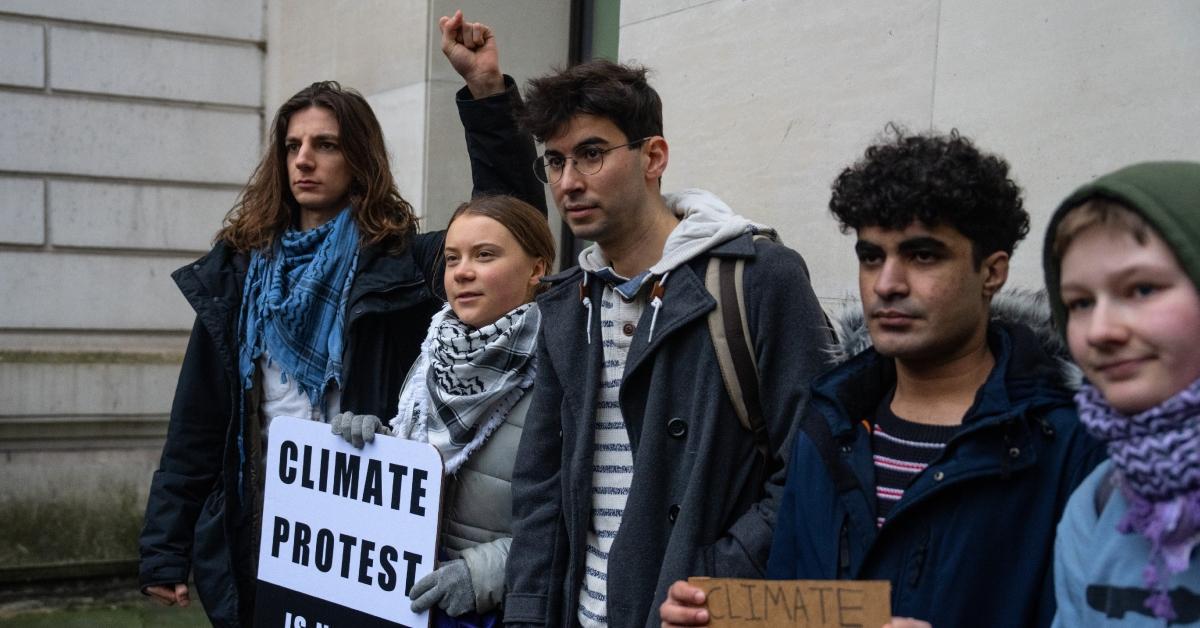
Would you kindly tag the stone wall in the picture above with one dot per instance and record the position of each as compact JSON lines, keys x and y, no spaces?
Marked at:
{"x":766,"y":101}
{"x":126,"y":130}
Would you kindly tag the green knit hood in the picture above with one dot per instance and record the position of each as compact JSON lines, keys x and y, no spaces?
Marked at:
{"x":1165,"y":193}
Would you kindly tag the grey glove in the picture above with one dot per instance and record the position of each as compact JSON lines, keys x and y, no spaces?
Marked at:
{"x":449,"y":586}
{"x":358,"y":429}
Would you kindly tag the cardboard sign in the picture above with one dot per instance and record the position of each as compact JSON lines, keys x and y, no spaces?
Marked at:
{"x":805,"y":603}
{"x":346,"y":532}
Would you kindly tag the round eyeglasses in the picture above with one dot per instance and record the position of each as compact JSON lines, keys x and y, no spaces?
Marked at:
{"x":587,"y":160}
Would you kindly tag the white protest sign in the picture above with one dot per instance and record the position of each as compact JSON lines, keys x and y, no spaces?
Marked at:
{"x":345,"y":531}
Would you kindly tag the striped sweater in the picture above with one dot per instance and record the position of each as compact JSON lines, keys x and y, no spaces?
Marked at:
{"x":901,"y":450}
{"x":612,"y":457}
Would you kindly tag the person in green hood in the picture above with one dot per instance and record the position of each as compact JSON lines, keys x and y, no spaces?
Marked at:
{"x":1122,"y":264}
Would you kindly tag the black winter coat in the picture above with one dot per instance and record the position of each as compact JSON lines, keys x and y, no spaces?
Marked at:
{"x":201,"y":516}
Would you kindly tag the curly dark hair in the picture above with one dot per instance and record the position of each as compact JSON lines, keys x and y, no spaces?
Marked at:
{"x":934,"y":179}
{"x":598,"y":87}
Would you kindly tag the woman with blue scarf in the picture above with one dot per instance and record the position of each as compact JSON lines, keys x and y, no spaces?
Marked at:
{"x":313,"y":301}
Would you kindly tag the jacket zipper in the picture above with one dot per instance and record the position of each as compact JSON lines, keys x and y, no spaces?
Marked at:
{"x":843,"y":571}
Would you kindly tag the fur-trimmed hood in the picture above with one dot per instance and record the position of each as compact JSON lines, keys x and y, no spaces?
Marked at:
{"x":1016,"y":306}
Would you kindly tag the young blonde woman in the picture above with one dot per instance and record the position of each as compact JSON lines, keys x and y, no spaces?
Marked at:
{"x":467,"y":394}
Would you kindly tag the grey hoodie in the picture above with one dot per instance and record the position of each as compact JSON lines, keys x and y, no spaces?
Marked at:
{"x":705,"y":222}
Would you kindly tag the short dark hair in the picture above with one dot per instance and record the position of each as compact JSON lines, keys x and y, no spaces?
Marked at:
{"x":598,"y":87}
{"x":933,"y":179}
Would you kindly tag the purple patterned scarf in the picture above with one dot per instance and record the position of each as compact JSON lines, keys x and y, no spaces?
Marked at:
{"x":1157,"y":454}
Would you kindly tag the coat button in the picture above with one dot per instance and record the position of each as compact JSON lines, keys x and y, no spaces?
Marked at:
{"x":677,"y":427}
{"x":938,"y":476}
{"x":1014,"y":453}
{"x":358,"y":310}
{"x":673,"y":513}
{"x":628,"y":329}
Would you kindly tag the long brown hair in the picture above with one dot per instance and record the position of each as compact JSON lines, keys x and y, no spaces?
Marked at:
{"x":266,"y":206}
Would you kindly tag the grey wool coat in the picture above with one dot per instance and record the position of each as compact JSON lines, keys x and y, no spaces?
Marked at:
{"x":702,"y":500}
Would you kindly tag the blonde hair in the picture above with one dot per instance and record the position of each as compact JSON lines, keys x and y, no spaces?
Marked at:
{"x":1097,"y":212}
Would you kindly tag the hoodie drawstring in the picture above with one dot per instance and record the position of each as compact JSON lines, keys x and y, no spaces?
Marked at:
{"x":587,"y":302}
{"x":656,"y":302}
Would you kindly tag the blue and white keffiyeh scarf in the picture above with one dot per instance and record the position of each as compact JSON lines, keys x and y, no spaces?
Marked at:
{"x":294,"y":303}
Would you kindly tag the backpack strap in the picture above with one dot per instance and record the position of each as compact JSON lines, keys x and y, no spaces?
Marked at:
{"x":734,"y":346}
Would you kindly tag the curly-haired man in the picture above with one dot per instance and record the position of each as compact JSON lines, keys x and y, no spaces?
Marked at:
{"x":941,"y":458}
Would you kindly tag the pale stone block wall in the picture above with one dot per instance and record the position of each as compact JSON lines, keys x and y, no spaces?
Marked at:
{"x":212,"y":72}
{"x":135,"y":216}
{"x":127,"y":128}
{"x":71,"y":136}
{"x":92,"y":291}
{"x":48,"y":389}
{"x":766,"y":102}
{"x":22,"y":213}
{"x":224,"y":19}
{"x":23,"y":49}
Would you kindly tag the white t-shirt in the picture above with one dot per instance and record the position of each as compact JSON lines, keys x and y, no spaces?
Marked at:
{"x":282,"y":398}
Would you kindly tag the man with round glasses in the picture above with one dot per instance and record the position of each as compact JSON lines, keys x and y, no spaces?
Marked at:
{"x":633,"y":470}
{"x":587,"y":159}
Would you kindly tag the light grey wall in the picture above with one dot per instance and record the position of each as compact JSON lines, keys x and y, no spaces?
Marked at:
{"x":391,"y":52}
{"x":126,"y":130}
{"x":766,"y":101}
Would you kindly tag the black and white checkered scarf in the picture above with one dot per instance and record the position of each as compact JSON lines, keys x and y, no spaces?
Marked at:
{"x":472,"y":378}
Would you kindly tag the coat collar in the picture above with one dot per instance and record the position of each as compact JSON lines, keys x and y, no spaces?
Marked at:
{"x":566,"y":321}
{"x":684,"y":300}
{"x":563,"y":338}
{"x":1023,"y":376}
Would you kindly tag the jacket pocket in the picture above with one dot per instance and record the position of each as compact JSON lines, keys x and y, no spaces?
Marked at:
{"x":210,"y":561}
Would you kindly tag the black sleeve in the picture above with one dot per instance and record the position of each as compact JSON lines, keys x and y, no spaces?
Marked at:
{"x":190,"y":465}
{"x":501,"y":154}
